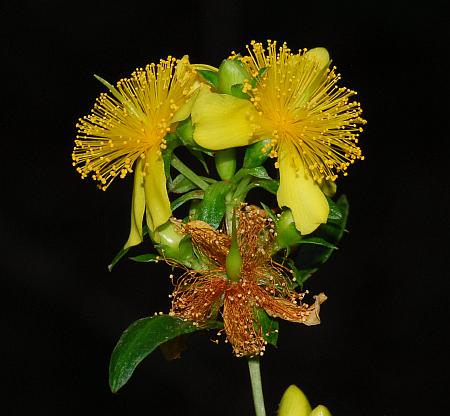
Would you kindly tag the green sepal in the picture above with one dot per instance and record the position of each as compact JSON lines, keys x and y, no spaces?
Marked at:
{"x":181,"y":185}
{"x":213,"y":206}
{"x":232,"y":73}
{"x":172,"y":142}
{"x":197,"y":194}
{"x":139,"y":340}
{"x":257,"y":153}
{"x":236,"y":91}
{"x":268,"y":325}
{"x":254,"y":81}
{"x":146,"y":258}
{"x":210,"y":76}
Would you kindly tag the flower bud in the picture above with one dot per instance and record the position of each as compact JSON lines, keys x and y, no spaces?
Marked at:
{"x":168,"y":243}
{"x":287,"y":233}
{"x":294,"y":403}
{"x":320,"y":410}
{"x":231,"y":72}
{"x":226,"y":163}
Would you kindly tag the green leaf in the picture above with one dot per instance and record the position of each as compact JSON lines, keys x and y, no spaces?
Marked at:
{"x":254,"y":81}
{"x":319,"y":241}
{"x":335,"y":213}
{"x":198,"y":194}
{"x":259,"y":172}
{"x":269,"y":185}
{"x":181,"y":185}
{"x":210,"y":76}
{"x":269,"y":326}
{"x":309,"y":257}
{"x":213,"y":206}
{"x":139,"y":340}
{"x":146,"y":258}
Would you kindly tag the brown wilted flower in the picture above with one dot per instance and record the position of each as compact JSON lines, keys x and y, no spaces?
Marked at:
{"x":261,"y":283}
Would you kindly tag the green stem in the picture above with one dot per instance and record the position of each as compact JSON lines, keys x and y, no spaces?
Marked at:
{"x":184,"y":170}
{"x":255,"y":377}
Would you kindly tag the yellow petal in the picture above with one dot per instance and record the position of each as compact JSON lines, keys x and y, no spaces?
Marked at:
{"x":294,"y":403}
{"x":185,"y":110}
{"x":299,"y":192}
{"x":320,"y":410}
{"x":222,"y":121}
{"x":137,"y":208}
{"x":319,"y":56}
{"x":156,"y":197}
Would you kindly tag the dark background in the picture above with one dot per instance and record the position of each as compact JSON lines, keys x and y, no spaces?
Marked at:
{"x":383,"y":345}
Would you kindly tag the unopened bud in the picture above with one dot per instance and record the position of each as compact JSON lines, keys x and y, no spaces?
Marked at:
{"x":294,"y":403}
{"x":231,"y":72}
{"x":320,"y":410}
{"x":287,"y":233}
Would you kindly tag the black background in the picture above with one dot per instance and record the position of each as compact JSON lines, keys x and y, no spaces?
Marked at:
{"x":383,"y":345}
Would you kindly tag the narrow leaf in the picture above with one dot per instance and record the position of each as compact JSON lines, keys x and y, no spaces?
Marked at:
{"x":319,"y":241}
{"x":212,"y":208}
{"x":181,"y":185}
{"x":146,"y":258}
{"x":198,"y":194}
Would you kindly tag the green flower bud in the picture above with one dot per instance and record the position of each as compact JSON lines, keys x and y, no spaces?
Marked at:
{"x":231,"y":72}
{"x":320,"y":410}
{"x":226,"y":163}
{"x":287,"y":233}
{"x":171,"y":244}
{"x":257,"y":153}
{"x":294,"y":403}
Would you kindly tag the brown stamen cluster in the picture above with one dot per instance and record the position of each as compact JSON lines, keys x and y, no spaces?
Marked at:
{"x":200,"y":295}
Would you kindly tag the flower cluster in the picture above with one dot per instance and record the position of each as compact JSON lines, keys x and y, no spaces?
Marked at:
{"x":242,"y":264}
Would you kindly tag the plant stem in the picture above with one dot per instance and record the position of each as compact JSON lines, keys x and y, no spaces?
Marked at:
{"x":255,"y":377}
{"x":190,"y":174}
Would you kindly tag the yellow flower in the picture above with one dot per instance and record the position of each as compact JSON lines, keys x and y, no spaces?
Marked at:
{"x":126,"y":131}
{"x":312,"y":123}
